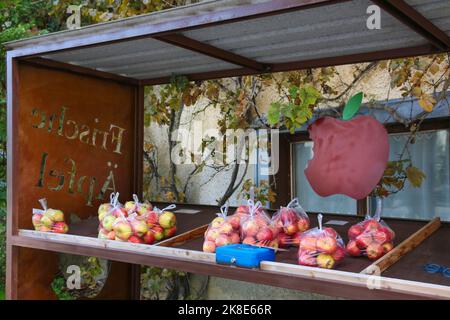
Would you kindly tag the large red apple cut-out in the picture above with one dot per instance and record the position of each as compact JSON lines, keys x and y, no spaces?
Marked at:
{"x":349,"y":156}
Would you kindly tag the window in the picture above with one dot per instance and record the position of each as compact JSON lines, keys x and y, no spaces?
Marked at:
{"x":430,"y":153}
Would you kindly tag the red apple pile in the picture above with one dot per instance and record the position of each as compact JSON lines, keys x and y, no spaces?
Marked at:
{"x":371,"y":238}
{"x":140,"y":223}
{"x":321,"y":247}
{"x":257,"y":228}
{"x":49,"y":220}
{"x":223,"y":230}
{"x":291,"y":222}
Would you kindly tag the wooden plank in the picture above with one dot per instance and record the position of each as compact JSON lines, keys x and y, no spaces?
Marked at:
{"x":361,"y":280}
{"x":329,"y":282}
{"x":211,"y":51}
{"x":53,"y":64}
{"x":403,"y":248}
{"x":186,"y":236}
{"x":136,"y":248}
{"x":306,"y":64}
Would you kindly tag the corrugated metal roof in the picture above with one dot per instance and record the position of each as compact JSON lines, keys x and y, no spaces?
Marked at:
{"x":336,"y":29}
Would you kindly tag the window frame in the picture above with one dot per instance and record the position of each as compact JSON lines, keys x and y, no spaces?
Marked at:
{"x":284,"y":182}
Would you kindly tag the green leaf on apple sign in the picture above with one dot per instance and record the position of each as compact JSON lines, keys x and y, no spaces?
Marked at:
{"x":352,"y":106}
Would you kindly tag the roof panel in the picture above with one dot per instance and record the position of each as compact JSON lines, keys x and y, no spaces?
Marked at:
{"x":298,"y":33}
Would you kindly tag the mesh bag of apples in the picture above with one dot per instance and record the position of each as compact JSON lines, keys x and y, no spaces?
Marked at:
{"x":223,"y":230}
{"x":372,"y":237}
{"x":135,"y":222}
{"x":321,"y":247}
{"x":257,"y":228}
{"x":49,"y":220}
{"x":291,"y":222}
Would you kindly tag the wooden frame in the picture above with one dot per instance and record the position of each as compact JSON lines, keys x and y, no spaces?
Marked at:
{"x":22,"y":242}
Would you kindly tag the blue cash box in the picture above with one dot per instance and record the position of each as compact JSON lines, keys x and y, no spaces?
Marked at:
{"x":244,"y":255}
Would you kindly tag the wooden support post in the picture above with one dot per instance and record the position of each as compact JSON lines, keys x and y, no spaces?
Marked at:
{"x":403,"y":248}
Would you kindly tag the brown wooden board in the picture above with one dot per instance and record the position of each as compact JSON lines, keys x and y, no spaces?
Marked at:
{"x":75,"y":143}
{"x":434,"y":249}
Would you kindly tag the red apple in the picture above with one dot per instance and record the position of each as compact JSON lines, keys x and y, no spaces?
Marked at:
{"x":325,"y":261}
{"x":303,"y":224}
{"x":209,"y":246}
{"x":135,"y":239}
{"x":159,"y":233}
{"x":339,"y":254}
{"x":326,"y":244}
{"x":288,"y":216}
{"x":290,"y":229}
{"x":371,"y":225}
{"x":330,"y":232}
{"x":374,"y":251}
{"x":111,"y":235}
{"x":307,"y":259}
{"x":152,"y":218}
{"x":168,"y":233}
{"x":354,"y":231}
{"x":60,"y":227}
{"x":264,"y":234}
{"x":380,"y":236}
{"x":308,"y":243}
{"x":388,"y":246}
{"x":389,"y":233}
{"x":250,"y":228}
{"x":139,"y":227}
{"x":235,"y":222}
{"x":349,"y":156}
{"x":353,"y":249}
{"x":235,"y":238}
{"x":149,"y":237}
{"x":363,"y":240}
{"x":242,"y":210}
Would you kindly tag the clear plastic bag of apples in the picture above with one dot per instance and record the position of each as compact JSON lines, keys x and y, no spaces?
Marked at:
{"x":223,"y":230}
{"x":321,"y":247}
{"x":135,"y":222}
{"x":372,"y":237}
{"x":49,"y":220}
{"x":257,"y":228}
{"x":291,"y":222}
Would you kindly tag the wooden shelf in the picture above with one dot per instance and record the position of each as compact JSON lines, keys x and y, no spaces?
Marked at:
{"x":186,"y":255}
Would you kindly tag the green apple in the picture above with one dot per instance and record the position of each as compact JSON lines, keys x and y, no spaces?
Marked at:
{"x":55,"y":215}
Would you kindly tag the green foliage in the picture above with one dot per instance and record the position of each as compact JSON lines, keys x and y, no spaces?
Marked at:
{"x":2,"y":293}
{"x":59,"y":287}
{"x":297,"y":110}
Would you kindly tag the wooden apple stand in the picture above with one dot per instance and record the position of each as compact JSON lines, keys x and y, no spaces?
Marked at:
{"x":75,"y":133}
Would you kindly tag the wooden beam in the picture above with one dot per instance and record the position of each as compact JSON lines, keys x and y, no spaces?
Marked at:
{"x":305,"y":64}
{"x":186,"y":236}
{"x":324,"y":281}
{"x":403,"y":248}
{"x":53,"y":64}
{"x":416,"y":21}
{"x":211,"y":51}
